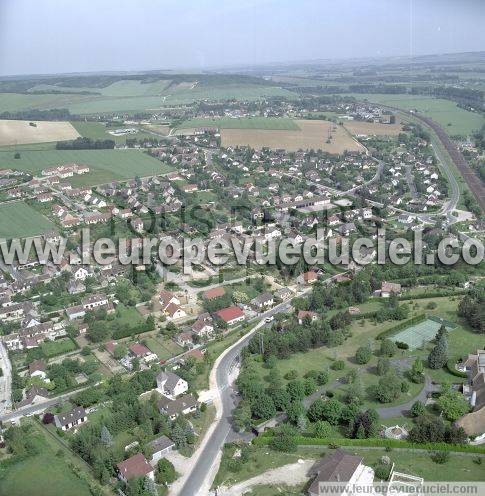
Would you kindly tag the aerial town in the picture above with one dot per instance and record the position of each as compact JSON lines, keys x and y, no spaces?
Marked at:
{"x":124,"y":372}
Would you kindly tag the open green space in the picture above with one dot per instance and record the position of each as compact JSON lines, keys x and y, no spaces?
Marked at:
{"x":99,"y":131}
{"x":47,"y":473}
{"x":106,"y":165}
{"x":58,"y":347}
{"x":132,"y":96}
{"x":164,"y":349}
{"x":243,"y":123}
{"x":17,"y":219}
{"x":455,"y":120}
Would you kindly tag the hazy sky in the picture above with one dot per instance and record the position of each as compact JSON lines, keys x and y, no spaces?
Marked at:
{"x":50,"y":36}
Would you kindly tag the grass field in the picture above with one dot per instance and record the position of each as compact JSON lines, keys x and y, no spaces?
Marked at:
{"x":98,"y":131}
{"x":106,"y":165}
{"x":455,"y":120}
{"x":58,"y":347}
{"x":21,"y":132}
{"x":18,"y":219}
{"x":242,"y":123}
{"x":133,"y":96}
{"x":164,"y":349}
{"x":313,"y":134}
{"x":44,"y":474}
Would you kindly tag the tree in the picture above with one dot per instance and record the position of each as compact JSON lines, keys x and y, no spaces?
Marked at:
{"x":330,"y":410}
{"x":388,"y":388}
{"x":416,"y":374}
{"x":296,"y":390}
{"x":242,"y":416}
{"x":428,"y":429}
{"x":453,"y":405}
{"x":120,"y":351}
{"x":284,"y":439}
{"x":363,"y":355}
{"x":263,"y":407}
{"x":418,"y":409}
{"x":388,"y":348}
{"x":294,"y":411}
{"x":106,"y":437}
{"x":439,"y":354}
{"x":383,"y":365}
{"x":165,"y":473}
{"x":322,"y":429}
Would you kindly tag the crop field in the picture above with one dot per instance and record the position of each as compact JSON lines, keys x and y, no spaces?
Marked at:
{"x":312,"y":134}
{"x":106,"y":165}
{"x":132,"y":96}
{"x":22,"y":132}
{"x":455,"y":120}
{"x":17,"y":219}
{"x":243,"y":123}
{"x":372,"y":128}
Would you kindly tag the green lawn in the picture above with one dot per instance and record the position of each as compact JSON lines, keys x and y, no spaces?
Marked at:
{"x":45,"y":474}
{"x":98,"y":131}
{"x":58,"y":347}
{"x":164,"y":349}
{"x":261,"y":459}
{"x":445,"y":112}
{"x":243,"y":123}
{"x":20,"y":220}
{"x":106,"y":165}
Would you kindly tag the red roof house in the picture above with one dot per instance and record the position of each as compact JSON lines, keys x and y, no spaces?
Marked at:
{"x":231,"y":315}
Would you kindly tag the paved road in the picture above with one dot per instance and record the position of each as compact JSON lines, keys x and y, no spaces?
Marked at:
{"x":5,"y":380}
{"x":29,"y":410}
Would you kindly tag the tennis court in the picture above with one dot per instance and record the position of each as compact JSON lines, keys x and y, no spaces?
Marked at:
{"x":421,"y":333}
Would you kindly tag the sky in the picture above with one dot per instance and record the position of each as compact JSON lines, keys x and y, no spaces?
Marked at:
{"x":61,"y":36}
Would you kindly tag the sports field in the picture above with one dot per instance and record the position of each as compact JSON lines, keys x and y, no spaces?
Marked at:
{"x":455,"y":120}
{"x":106,"y":165}
{"x":98,"y":131}
{"x":21,"y":132}
{"x":18,"y":220}
{"x":312,"y":134}
{"x":419,"y":334}
{"x":242,"y":123}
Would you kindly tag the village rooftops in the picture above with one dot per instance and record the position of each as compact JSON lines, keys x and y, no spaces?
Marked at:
{"x":72,"y":417}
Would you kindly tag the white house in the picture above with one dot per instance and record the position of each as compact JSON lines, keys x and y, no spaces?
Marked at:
{"x":171,"y":385}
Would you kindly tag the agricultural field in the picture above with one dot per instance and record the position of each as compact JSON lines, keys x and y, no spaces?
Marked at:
{"x":17,"y":219}
{"x":372,"y":128}
{"x":242,"y":123}
{"x":313,"y":134}
{"x":106,"y":165}
{"x":132,"y":96}
{"x":455,"y":120}
{"x":23,"y":132}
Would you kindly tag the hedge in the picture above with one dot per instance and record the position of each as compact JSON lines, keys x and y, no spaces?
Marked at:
{"x":375,"y":443}
{"x":402,"y":325}
{"x":450,"y":366}
{"x":432,"y":294}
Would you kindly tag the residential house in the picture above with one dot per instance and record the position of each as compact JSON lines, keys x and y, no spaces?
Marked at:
{"x":159,"y":448}
{"x":309,"y":277}
{"x":213,"y":293}
{"x":135,"y":466}
{"x":73,"y":418}
{"x":170,"y":384}
{"x":183,"y":405}
{"x":304,"y":314}
{"x":37,"y":369}
{"x":231,"y":315}
{"x":390,"y":288}
{"x":263,"y":301}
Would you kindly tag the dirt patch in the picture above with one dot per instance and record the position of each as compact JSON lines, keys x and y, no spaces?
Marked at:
{"x":313,"y":134}
{"x":373,"y":128}
{"x":24,"y":132}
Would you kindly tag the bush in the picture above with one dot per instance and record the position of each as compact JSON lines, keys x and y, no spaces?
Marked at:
{"x":363,"y":355}
{"x":338,"y":365}
{"x":440,"y":457}
{"x":402,"y":346}
{"x":292,"y":374}
{"x":381,"y":472}
{"x":418,"y":409}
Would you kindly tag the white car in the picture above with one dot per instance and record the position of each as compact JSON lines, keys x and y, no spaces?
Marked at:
{"x":269,"y":319}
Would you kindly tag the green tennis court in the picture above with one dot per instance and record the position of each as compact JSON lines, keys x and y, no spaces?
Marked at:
{"x":421,"y":333}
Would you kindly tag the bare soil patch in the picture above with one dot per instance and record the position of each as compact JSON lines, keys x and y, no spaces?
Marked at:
{"x":313,"y":134}
{"x":373,"y":128}
{"x":24,"y":132}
